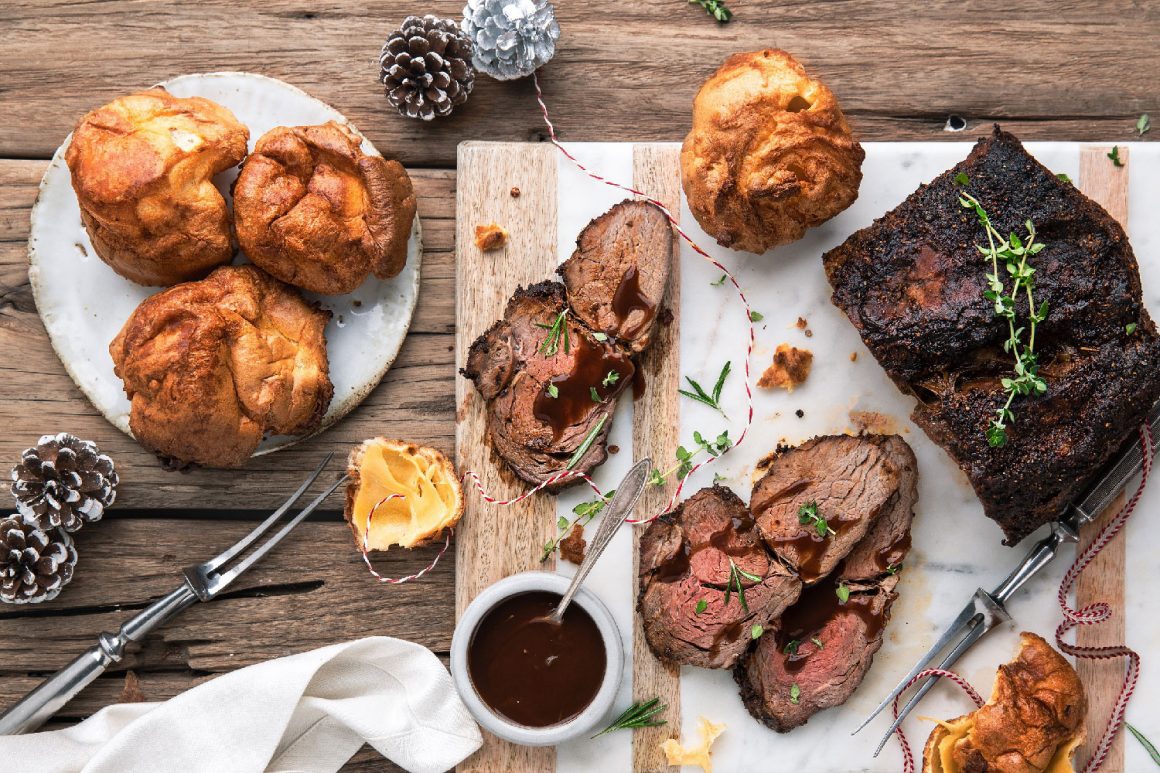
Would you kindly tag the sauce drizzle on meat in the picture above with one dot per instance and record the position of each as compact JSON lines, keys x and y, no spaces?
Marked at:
{"x":629,"y":298}
{"x":592,"y":362}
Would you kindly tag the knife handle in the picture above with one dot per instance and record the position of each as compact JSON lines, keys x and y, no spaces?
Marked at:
{"x":1039,"y":556}
{"x":36,"y":708}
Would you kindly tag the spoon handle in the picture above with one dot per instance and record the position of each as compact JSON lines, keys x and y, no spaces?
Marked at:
{"x":615,"y":514}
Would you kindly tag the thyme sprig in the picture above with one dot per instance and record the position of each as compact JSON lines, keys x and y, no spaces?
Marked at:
{"x":1014,"y":253}
{"x":557,"y":332}
{"x":637,"y":715}
{"x":808,"y":516}
{"x":735,"y":586}
{"x":584,"y":512}
{"x":716,"y":9}
{"x":685,"y":457}
{"x":700,"y":395}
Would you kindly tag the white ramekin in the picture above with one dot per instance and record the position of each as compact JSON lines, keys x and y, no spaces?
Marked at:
{"x":583,"y":723}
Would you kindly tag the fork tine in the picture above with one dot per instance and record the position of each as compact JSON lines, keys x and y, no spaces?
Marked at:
{"x":218,"y":561}
{"x":220,"y":582}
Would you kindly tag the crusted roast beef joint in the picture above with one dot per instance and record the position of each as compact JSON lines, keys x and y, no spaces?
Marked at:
{"x":552,"y":369}
{"x":833,"y":514}
{"x":913,"y":282}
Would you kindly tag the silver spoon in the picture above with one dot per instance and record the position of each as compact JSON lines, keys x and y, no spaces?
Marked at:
{"x":623,"y":501}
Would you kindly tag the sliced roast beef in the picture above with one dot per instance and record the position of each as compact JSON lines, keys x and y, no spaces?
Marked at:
{"x":692,"y":563}
{"x":882,"y":549}
{"x":548,"y":383}
{"x":913,"y":285}
{"x":819,"y":653}
{"x":846,"y":481}
{"x":617,"y":276}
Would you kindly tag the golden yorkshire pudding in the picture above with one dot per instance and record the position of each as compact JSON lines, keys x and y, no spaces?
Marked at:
{"x":211,"y":366}
{"x":315,"y":211}
{"x":142,"y":168}
{"x":1033,"y":722}
{"x":413,"y":491}
{"x":769,"y":155}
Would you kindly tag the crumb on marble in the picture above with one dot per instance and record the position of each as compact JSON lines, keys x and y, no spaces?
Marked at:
{"x":789,"y":369}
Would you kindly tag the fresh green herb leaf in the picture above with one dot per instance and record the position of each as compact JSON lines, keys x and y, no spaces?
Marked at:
{"x":962,"y":179}
{"x":1130,"y":328}
{"x":585,"y":512}
{"x":656,"y":477}
{"x":843,"y":593}
{"x":700,"y":395}
{"x":748,"y":576}
{"x":756,"y":316}
{"x":718,"y":282}
{"x":808,"y":516}
{"x":721,"y":381}
{"x":1115,"y":156}
{"x":894,"y":569}
{"x":600,"y":337}
{"x":716,"y":9}
{"x":588,"y":440}
{"x":557,"y":332}
{"x":791,"y":647}
{"x":795,"y":694}
{"x":562,"y":523}
{"x":756,"y":631}
{"x":1153,"y":752}
{"x":817,"y":642}
{"x":553,"y":390}
{"x":735,"y":585}
{"x":685,"y":457}
{"x":1014,"y":252}
{"x":594,"y":394}
{"x":1143,"y":124}
{"x":637,"y":715}
{"x":610,"y":378}
{"x":701,"y":606}
{"x":717,"y":478}
{"x":1064,"y":176}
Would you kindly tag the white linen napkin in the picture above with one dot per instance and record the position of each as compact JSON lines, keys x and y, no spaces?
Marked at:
{"x":306,"y":713}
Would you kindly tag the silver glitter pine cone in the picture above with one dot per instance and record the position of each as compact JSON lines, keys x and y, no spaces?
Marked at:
{"x":35,"y":565}
{"x":512,"y":38}
{"x":426,"y":67}
{"x":63,"y":483}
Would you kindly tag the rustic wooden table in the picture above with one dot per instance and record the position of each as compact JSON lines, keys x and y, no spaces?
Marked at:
{"x":625,"y":70}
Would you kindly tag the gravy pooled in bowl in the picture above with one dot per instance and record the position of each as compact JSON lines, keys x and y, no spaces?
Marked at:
{"x":532,"y":671}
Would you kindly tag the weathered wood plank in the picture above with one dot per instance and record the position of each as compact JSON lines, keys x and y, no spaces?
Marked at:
{"x":494,"y":542}
{"x":37,"y":396}
{"x":656,"y":433}
{"x":624,"y":71}
{"x":1103,"y":580}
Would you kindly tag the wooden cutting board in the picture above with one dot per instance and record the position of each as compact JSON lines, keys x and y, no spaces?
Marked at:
{"x":515,"y":185}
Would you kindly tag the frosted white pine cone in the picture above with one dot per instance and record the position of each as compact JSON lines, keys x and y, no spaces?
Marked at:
{"x":511,"y":38}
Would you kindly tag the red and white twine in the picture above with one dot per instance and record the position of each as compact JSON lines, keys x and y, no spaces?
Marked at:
{"x":364,"y":548}
{"x":1089,"y":615}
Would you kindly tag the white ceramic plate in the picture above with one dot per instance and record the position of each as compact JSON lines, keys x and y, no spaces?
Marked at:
{"x":84,"y":303}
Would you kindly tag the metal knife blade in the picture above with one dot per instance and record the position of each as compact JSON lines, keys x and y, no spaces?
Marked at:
{"x":1129,"y":462}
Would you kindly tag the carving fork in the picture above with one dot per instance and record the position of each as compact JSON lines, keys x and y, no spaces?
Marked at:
{"x":202,"y":583}
{"x":986,"y":610}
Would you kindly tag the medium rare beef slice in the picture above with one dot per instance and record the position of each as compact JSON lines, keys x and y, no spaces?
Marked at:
{"x":912,"y":284}
{"x":691,"y":563}
{"x":617,"y":277}
{"x":884,"y":547}
{"x":818,"y":654}
{"x":548,"y":385}
{"x":848,"y":481}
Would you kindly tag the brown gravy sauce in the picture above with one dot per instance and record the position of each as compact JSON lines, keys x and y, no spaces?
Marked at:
{"x":531,"y":671}
{"x":817,"y":606}
{"x":629,"y":298}
{"x":591,"y":364}
{"x":677,"y":567}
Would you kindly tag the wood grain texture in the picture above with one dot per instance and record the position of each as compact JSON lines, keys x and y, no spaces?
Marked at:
{"x":1103,"y":580}
{"x":656,"y":422}
{"x":623,"y":70}
{"x":37,"y":396}
{"x":493,"y":542}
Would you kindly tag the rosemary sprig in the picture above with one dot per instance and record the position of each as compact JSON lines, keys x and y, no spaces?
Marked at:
{"x":736,"y":574}
{"x":637,"y":715}
{"x":588,"y":440}
{"x":701,"y":396}
{"x":1014,"y":254}
{"x":808,"y":516}
{"x":584,"y":512}
{"x":557,"y":332}
{"x":1148,"y":747}
{"x":716,"y":9}
{"x":685,"y":457}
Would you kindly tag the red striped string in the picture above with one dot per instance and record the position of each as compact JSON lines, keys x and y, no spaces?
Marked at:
{"x":364,"y":548}
{"x":907,"y":754}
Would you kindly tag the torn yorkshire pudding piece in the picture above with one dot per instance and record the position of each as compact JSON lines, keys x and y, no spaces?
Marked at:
{"x":412,"y":490}
{"x":212,"y":366}
{"x":1033,"y":722}
{"x":142,"y":167}
{"x":317,"y":212}
{"x":769,"y":154}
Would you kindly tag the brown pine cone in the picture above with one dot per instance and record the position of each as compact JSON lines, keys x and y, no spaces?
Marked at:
{"x":63,"y":483}
{"x":426,"y":67}
{"x":34,"y":564}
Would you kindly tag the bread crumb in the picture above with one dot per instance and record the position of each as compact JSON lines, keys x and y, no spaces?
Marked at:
{"x":790,"y":368}
{"x":614,"y":449}
{"x":699,"y":754}
{"x":490,"y":237}
{"x":853,"y":356}
{"x":131,"y":692}
{"x":572,"y":546}
{"x":515,"y":192}
{"x":802,"y":323}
